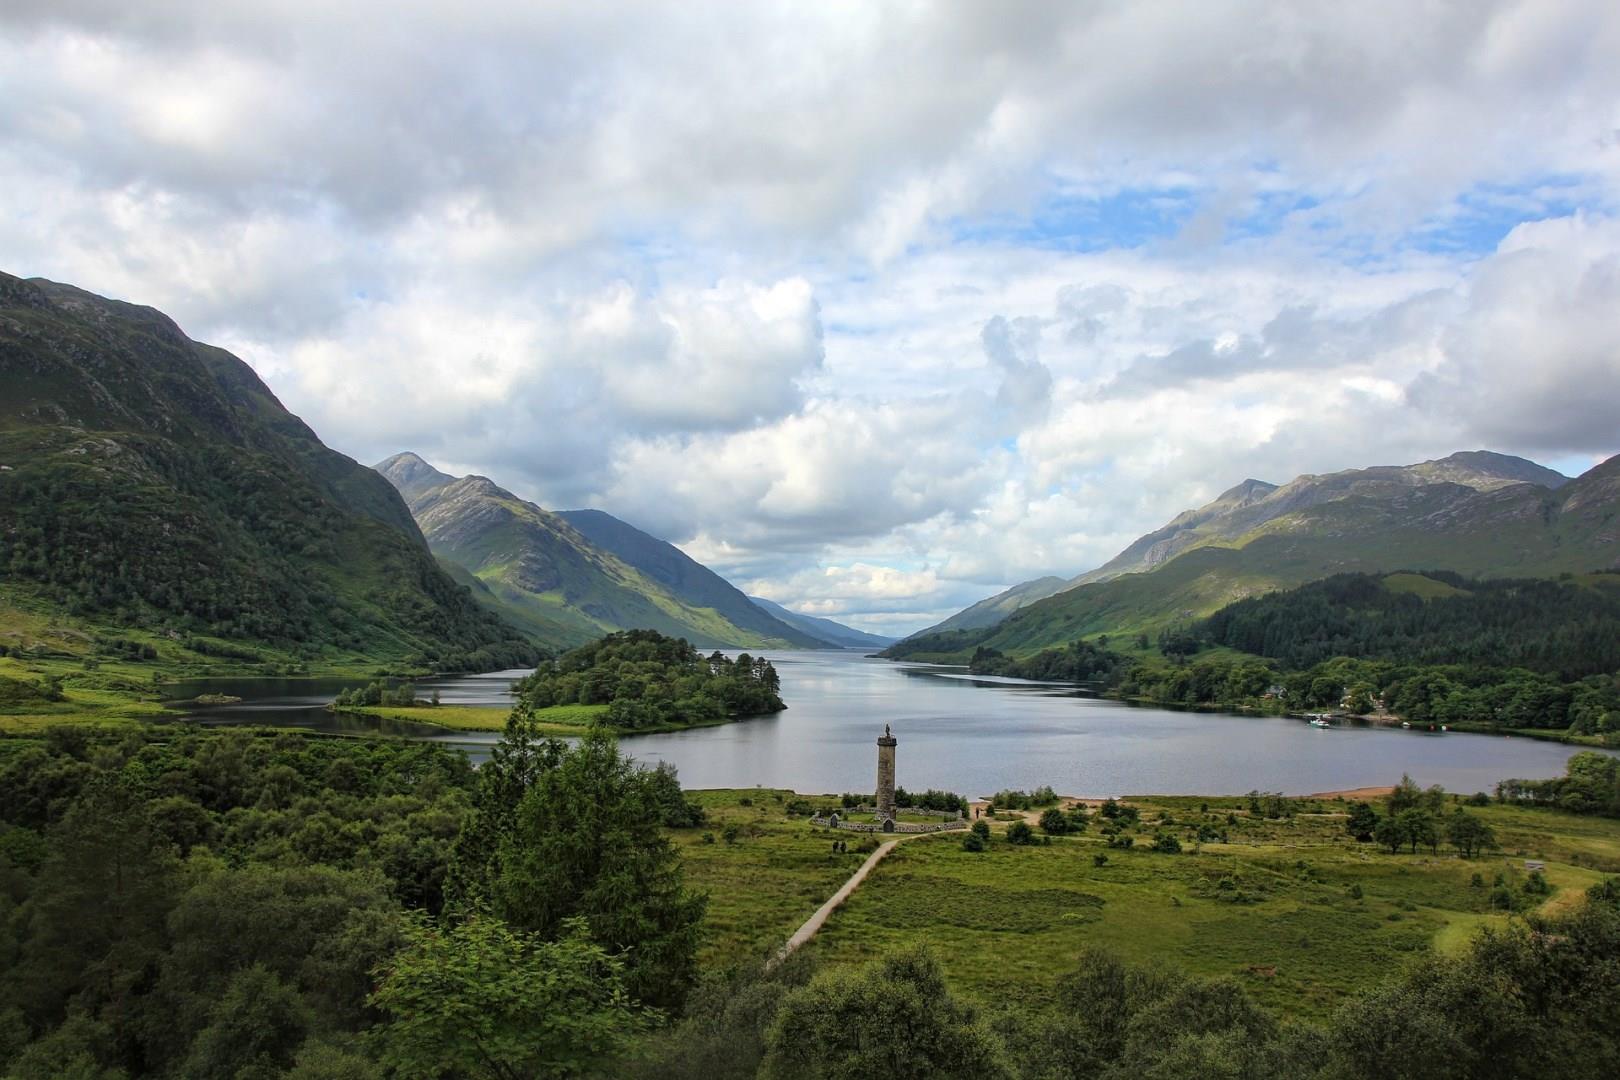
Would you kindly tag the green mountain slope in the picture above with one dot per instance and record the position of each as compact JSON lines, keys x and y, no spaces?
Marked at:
{"x":1251,"y":504}
{"x":1512,"y":529}
{"x":993,"y":609}
{"x":544,"y":573}
{"x":833,"y":633}
{"x":152,"y":482}
{"x":686,"y":578}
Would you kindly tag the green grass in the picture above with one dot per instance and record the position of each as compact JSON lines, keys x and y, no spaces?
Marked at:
{"x":563,"y":720}
{"x":557,"y":720}
{"x":763,"y":886}
{"x":1287,"y":923}
{"x":1420,"y":585}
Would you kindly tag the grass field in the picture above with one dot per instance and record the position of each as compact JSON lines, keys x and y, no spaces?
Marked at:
{"x":1276,"y":906}
{"x":557,"y":720}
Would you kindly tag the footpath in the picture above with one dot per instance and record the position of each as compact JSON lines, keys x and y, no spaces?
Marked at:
{"x":815,"y":922}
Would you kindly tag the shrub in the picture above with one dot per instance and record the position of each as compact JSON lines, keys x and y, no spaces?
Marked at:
{"x":1054,"y":822}
{"x":1019,"y":832}
{"x":1166,"y":844}
{"x":1099,"y":859}
{"x":730,"y":834}
{"x":973,"y":842}
{"x":708,"y":838}
{"x":1354,"y":891}
{"x":981,"y":829}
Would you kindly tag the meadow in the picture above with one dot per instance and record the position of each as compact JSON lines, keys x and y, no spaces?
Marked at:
{"x":561,"y":720}
{"x":1292,"y":906}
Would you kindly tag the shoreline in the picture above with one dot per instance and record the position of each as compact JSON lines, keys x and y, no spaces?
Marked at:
{"x":491,"y":719}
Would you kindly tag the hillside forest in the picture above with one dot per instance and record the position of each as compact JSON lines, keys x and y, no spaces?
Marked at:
{"x":1432,"y":648}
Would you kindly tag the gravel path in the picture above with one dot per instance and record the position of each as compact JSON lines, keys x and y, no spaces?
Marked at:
{"x":814,"y":922}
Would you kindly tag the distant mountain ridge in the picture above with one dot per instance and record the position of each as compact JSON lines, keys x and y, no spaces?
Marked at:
{"x":1253,"y":503}
{"x":683,"y":575}
{"x":993,"y":609}
{"x":1475,"y":513}
{"x":833,"y":633}
{"x":575,"y":576}
{"x":153,"y":481}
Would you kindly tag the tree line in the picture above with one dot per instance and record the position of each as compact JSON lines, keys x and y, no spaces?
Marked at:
{"x":1556,"y":628}
{"x":1079,"y":661}
{"x":647,"y":679}
{"x":231,"y":904}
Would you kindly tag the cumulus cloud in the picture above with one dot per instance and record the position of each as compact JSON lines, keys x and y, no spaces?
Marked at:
{"x":1026,"y":385}
{"x":878,"y":307}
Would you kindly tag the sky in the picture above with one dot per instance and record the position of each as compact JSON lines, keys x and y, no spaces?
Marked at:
{"x":876,"y":309}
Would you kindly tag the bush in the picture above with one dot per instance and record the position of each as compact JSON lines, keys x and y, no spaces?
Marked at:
{"x":1099,"y":860}
{"x":1054,"y":822}
{"x":1354,"y":891}
{"x":730,"y":834}
{"x":1019,"y":832}
{"x":981,"y":829}
{"x":973,"y":842}
{"x":930,"y":800}
{"x":1166,"y":844}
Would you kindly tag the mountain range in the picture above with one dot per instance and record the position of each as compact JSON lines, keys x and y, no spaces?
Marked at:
{"x":573,"y":575}
{"x":155,"y":495}
{"x":833,"y":633}
{"x":1475,"y":512}
{"x":152,"y":485}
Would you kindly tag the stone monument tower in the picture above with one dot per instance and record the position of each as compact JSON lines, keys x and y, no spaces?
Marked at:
{"x":885,"y":784}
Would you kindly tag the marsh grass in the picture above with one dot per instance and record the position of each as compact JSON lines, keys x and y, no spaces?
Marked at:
{"x":1292,"y":907}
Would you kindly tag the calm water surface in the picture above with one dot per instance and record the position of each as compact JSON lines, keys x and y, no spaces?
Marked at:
{"x":967,"y":734}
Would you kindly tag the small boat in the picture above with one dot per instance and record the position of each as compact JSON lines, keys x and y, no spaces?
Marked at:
{"x":1320,"y":722}
{"x":1406,"y":724}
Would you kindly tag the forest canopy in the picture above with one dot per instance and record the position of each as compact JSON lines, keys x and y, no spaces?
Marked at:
{"x":649,"y":680}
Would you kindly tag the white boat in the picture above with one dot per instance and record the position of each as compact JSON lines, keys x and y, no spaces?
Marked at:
{"x":1319,"y":722}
